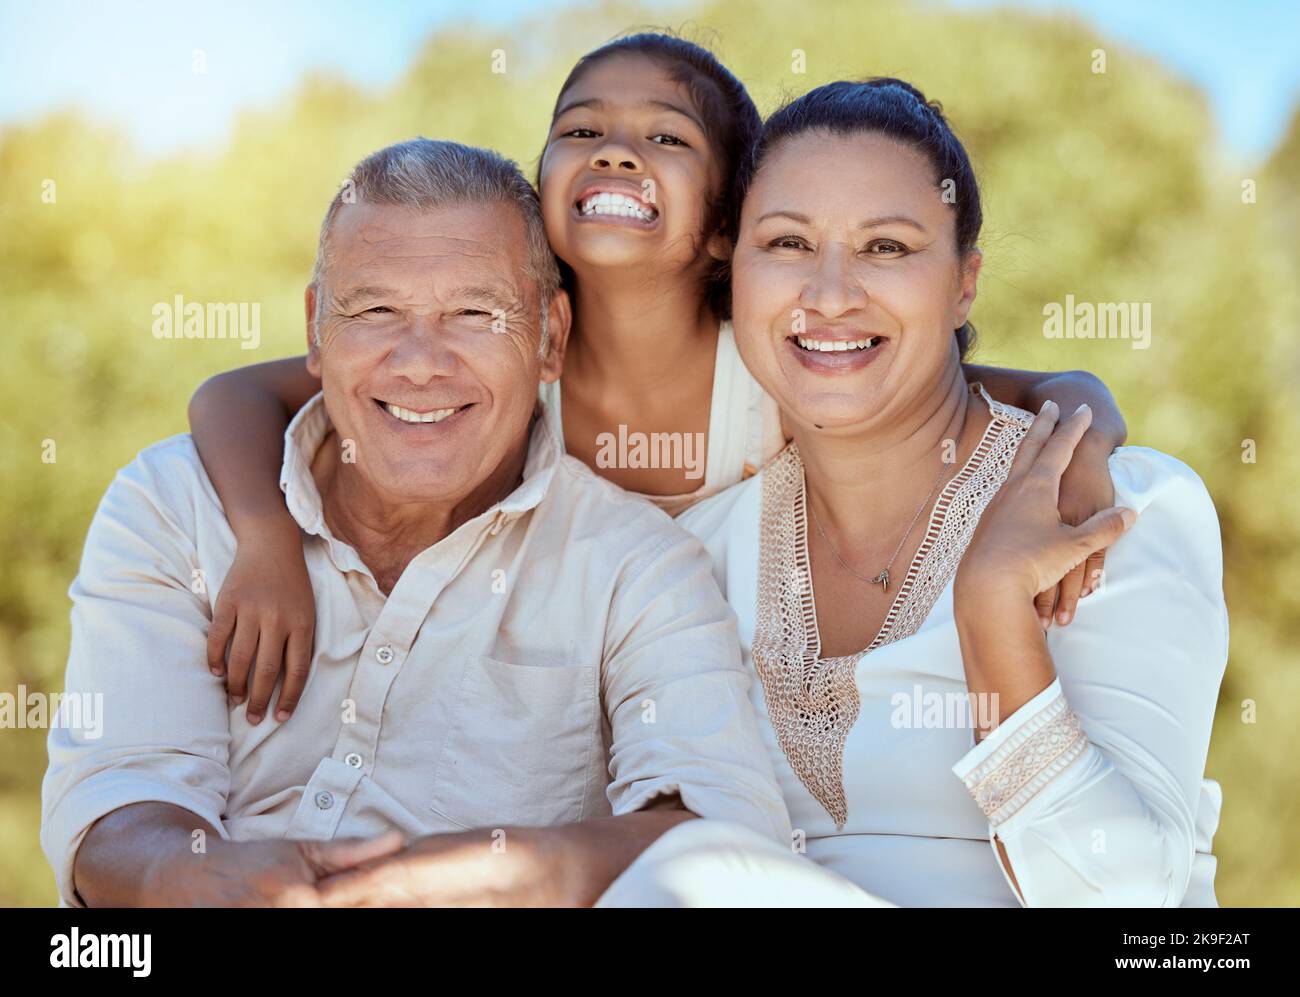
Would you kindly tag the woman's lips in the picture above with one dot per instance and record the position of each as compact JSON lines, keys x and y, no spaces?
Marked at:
{"x":836,"y":361}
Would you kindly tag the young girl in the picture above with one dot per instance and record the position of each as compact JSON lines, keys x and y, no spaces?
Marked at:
{"x":636,"y":184}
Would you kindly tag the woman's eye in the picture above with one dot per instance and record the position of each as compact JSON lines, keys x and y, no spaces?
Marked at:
{"x":885,"y":247}
{"x":578,"y":133}
{"x":669,"y":139}
{"x":787,"y":242}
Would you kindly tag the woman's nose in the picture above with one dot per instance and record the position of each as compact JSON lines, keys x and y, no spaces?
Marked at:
{"x":834,"y":286}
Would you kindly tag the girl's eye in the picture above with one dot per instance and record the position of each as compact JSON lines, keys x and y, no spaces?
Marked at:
{"x":578,"y":133}
{"x":669,"y":138}
{"x":885,"y":247}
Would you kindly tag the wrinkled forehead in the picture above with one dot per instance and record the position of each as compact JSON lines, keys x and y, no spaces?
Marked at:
{"x":435,"y":246}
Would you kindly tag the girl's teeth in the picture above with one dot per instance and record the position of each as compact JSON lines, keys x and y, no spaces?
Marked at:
{"x":406,"y":415}
{"x":616,"y":204}
{"x":834,"y":346}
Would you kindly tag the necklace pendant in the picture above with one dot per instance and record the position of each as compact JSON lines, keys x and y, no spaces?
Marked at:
{"x":882,"y":580}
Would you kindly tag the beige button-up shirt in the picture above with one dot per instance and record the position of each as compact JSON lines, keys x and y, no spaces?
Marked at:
{"x":564,"y":655}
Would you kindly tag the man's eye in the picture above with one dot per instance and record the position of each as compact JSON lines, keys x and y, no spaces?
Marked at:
{"x":377,"y":310}
{"x":669,"y":139}
{"x":474,"y":312}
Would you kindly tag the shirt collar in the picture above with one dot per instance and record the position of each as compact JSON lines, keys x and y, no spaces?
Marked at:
{"x":308,"y":429}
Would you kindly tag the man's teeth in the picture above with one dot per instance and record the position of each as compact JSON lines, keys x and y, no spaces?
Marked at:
{"x":836,"y":346}
{"x":406,"y":415}
{"x":605,"y":203}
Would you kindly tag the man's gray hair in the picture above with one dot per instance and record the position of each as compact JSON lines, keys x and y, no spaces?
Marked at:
{"x":429,"y":173}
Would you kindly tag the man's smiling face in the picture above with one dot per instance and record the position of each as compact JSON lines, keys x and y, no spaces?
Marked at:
{"x":429,"y":330}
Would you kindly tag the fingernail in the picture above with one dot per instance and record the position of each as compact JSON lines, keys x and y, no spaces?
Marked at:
{"x":215,"y":671}
{"x":282,"y":715}
{"x":1063,"y":617}
{"x":1082,"y":408}
{"x":1044,"y":408}
{"x":1096,"y":573}
{"x":1085,"y":592}
{"x":237,"y":700}
{"x":1044,"y":622}
{"x":1129,"y":517}
{"x":254,"y":718}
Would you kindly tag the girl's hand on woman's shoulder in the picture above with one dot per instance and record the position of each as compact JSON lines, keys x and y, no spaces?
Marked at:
{"x":1024,"y":546}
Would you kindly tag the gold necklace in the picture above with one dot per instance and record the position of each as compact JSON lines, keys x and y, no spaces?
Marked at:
{"x":881,"y":579}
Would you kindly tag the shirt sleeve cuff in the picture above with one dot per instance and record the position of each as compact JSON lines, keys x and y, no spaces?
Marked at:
{"x":1023,"y":755}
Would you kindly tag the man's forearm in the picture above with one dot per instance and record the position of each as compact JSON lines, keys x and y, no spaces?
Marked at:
{"x":116,"y":859}
{"x":592,"y":854}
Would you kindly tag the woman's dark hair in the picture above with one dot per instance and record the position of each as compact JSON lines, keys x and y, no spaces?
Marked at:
{"x":885,"y":106}
{"x":731,"y":124}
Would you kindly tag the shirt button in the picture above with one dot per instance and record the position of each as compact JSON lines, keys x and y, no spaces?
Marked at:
{"x":324,"y":800}
{"x":353,"y":759}
{"x":384,"y":655}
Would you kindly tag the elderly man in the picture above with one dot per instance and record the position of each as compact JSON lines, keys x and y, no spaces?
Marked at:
{"x":522,"y":676}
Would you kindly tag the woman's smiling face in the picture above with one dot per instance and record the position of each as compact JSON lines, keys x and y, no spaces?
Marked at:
{"x":628,"y":172}
{"x":846,"y":280}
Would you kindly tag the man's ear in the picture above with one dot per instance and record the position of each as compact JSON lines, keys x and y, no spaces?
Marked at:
{"x":313,"y":348}
{"x":559,"y":320}
{"x":970,"y":272}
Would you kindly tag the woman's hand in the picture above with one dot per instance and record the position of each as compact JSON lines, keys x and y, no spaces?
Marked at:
{"x":266,"y":613}
{"x":1022,"y":546}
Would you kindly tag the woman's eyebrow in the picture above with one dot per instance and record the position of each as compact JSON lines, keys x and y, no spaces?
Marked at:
{"x":892,"y":220}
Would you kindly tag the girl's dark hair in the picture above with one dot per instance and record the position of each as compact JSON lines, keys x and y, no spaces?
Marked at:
{"x":886,"y":106}
{"x":731,"y":123}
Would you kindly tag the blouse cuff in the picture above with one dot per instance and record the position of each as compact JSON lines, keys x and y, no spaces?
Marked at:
{"x":1023,"y":755}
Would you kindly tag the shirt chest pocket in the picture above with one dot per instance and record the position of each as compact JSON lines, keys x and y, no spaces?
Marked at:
{"x":519,"y":748}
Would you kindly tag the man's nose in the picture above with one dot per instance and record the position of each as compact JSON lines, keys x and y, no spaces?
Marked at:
{"x":424,"y":352}
{"x":834,"y":286}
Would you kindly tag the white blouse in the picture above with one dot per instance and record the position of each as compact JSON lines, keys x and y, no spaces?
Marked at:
{"x":1095,"y":787}
{"x":744,"y":427}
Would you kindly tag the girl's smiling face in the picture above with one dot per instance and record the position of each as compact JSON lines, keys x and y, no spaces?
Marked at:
{"x":846,"y":281}
{"x":628,"y":174}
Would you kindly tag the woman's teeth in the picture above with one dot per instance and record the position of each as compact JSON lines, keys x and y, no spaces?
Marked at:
{"x":835,"y":346}
{"x":406,"y":415}
{"x":617,"y":204}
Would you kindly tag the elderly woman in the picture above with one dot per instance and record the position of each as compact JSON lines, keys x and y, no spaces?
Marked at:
{"x":883,"y":569}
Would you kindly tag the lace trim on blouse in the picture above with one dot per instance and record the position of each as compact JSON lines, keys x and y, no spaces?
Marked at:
{"x":1031,"y":757}
{"x":813,"y":701}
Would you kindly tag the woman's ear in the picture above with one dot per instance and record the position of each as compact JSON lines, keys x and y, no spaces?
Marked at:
{"x":969,"y":278}
{"x":719,"y":247}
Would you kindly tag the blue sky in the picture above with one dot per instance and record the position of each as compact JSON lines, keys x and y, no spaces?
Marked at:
{"x":129,"y":62}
